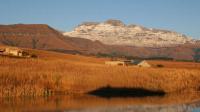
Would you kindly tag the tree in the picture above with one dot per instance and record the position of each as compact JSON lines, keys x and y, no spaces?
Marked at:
{"x":196,"y":56}
{"x":34,"y":43}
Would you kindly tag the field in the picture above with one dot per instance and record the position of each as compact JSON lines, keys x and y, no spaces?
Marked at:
{"x":56,"y":73}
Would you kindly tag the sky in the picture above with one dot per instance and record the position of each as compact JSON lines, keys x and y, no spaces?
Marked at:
{"x":182,"y":16}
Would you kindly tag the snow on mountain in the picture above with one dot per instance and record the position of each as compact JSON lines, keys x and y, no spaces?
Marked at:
{"x":115,"y":32}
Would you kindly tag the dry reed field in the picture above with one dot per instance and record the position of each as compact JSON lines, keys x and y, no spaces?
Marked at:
{"x":56,"y":73}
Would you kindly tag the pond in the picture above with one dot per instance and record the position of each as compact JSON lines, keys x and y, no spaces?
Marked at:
{"x":176,"y":102}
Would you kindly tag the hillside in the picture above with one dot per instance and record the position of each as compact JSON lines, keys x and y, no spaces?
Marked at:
{"x":43,"y":37}
{"x":115,"y":32}
{"x":36,"y":36}
{"x":180,"y":52}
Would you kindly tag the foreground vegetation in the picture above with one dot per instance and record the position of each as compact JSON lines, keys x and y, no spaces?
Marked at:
{"x":55,"y":73}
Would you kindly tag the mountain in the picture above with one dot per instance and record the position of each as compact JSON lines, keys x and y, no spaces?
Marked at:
{"x":44,"y":37}
{"x":35,"y":36}
{"x":115,"y":32}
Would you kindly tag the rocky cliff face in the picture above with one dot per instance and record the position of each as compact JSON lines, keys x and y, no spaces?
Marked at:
{"x":115,"y":32}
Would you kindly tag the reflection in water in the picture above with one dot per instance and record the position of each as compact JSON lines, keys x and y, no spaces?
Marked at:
{"x":111,"y":92}
{"x":184,"y":102}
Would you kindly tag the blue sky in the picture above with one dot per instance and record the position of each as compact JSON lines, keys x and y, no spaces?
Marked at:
{"x":179,"y":15}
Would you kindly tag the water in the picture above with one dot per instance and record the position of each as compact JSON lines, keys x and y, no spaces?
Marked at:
{"x":179,"y":102}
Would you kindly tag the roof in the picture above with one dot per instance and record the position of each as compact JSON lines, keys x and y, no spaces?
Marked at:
{"x":144,"y":63}
{"x":136,"y":62}
{"x":13,"y":48}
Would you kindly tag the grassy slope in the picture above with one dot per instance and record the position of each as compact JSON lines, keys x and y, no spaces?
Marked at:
{"x":78,"y":74}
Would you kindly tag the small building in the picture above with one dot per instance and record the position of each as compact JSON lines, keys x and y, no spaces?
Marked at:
{"x":113,"y":63}
{"x":119,"y":62}
{"x":141,"y":63}
{"x":13,"y":51}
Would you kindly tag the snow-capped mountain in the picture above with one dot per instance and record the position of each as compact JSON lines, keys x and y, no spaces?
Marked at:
{"x":115,"y":32}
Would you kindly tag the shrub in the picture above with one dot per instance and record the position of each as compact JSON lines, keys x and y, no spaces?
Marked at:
{"x":34,"y":56}
{"x":160,"y":65}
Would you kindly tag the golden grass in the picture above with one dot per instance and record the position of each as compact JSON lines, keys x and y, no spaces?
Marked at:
{"x":175,"y":64}
{"x":60,"y":73}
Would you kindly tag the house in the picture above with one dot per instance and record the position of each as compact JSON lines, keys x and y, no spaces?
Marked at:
{"x":141,"y":63}
{"x":13,"y":51}
{"x":119,"y":62}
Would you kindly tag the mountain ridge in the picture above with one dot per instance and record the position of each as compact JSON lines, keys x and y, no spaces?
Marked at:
{"x":115,"y":32}
{"x":36,"y":36}
{"x":44,"y":37}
